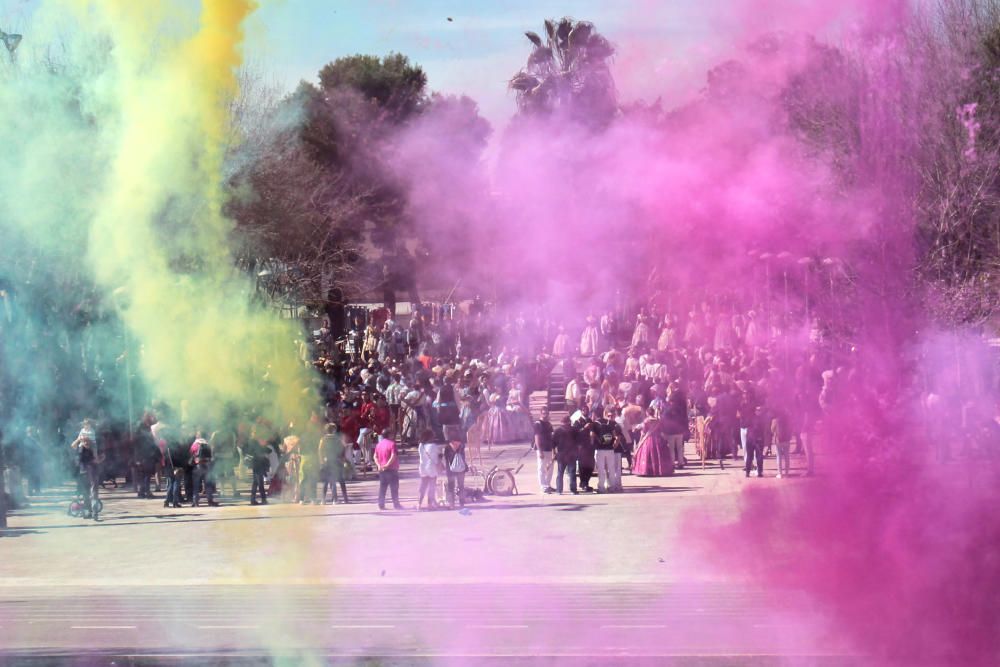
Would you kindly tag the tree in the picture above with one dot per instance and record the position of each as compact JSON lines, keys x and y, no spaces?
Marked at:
{"x":568,"y":73}
{"x":390,"y":84}
{"x":333,"y":194}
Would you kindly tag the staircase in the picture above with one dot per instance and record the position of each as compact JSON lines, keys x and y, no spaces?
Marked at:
{"x":556,"y":392}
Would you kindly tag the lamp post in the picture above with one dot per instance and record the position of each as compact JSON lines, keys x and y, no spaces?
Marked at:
{"x":754,"y":255}
{"x":783,"y":258}
{"x":3,"y":489}
{"x":766,"y":258}
{"x":120,"y":299}
{"x":806,"y":264}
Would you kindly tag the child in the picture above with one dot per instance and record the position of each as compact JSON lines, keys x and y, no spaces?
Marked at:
{"x":430,"y":455}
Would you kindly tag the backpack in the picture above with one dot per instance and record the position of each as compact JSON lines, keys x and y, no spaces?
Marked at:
{"x":458,"y":463}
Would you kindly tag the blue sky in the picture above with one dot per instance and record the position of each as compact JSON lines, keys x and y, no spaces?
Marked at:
{"x":663,"y":46}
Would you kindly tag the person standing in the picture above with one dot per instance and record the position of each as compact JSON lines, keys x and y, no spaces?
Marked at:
{"x":444,"y":408}
{"x":653,"y":458}
{"x":203,"y":463}
{"x":608,"y":439}
{"x":145,"y":456}
{"x":308,"y":468}
{"x":746,"y":409}
{"x":86,"y":460}
{"x":333,"y":453}
{"x":583,"y":430}
{"x":630,"y":420}
{"x":542,"y":444}
{"x":260,"y":464}
{"x":393,"y":396}
{"x":589,"y":345}
{"x":781,"y":436}
{"x":454,"y":458}
{"x":575,"y":392}
{"x":387,"y":463}
{"x":675,"y":423}
{"x":227,"y":456}
{"x":430,"y":454}
{"x":176,"y":457}
{"x":564,"y":444}
{"x":757,"y":434}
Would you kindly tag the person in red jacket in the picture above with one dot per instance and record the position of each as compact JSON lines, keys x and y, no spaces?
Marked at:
{"x":381,"y":416}
{"x":366,"y":439}
{"x":350,"y":428}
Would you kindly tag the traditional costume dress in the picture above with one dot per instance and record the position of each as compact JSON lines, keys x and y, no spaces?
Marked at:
{"x":652,"y":457}
{"x":496,"y":427}
{"x":640,"y":337}
{"x":589,"y":338}
{"x":521,"y":426}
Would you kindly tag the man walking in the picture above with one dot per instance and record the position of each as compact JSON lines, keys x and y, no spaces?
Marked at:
{"x":387,"y":462}
{"x":542,"y":445}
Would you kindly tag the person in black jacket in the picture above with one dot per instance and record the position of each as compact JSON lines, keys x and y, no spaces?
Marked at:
{"x":564,"y":442}
{"x":202,"y":460}
{"x":176,"y":460}
{"x":145,"y":457}
{"x":260,"y":465}
{"x":583,"y":432}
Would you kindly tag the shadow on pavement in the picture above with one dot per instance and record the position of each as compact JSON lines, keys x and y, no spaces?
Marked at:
{"x":659,"y":489}
{"x":18,"y":532}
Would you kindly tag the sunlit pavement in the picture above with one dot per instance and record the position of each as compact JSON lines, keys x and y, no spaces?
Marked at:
{"x":537,"y":578}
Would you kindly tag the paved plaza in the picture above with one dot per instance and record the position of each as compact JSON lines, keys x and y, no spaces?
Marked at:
{"x":534,"y":578}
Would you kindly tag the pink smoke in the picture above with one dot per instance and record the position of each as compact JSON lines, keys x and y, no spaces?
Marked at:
{"x":792,"y":171}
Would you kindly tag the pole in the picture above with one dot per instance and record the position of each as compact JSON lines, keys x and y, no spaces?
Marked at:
{"x":128,"y":384}
{"x":452,"y":292}
{"x":3,"y":489}
{"x":808,"y":317}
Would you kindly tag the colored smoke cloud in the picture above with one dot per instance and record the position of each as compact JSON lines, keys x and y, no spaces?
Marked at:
{"x":799,"y":170}
{"x":117,"y":126}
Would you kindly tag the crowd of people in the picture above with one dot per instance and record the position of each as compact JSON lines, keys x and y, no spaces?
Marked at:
{"x":447,"y":379}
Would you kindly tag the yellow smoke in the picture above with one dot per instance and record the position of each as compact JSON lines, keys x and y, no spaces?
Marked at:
{"x":159,"y":236}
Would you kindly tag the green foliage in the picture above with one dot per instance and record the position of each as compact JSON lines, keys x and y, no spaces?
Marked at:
{"x":390,"y":84}
{"x":334,"y":184}
{"x":568,"y":73}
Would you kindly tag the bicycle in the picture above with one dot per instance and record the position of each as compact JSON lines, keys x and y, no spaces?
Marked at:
{"x":78,"y":509}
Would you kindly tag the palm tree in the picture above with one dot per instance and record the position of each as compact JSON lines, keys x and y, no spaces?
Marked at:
{"x":568,"y":73}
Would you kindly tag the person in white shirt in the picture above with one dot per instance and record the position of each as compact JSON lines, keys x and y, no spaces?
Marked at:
{"x":430,"y":465}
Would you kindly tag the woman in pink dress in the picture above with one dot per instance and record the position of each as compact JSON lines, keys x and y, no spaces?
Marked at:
{"x":652,"y":457}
